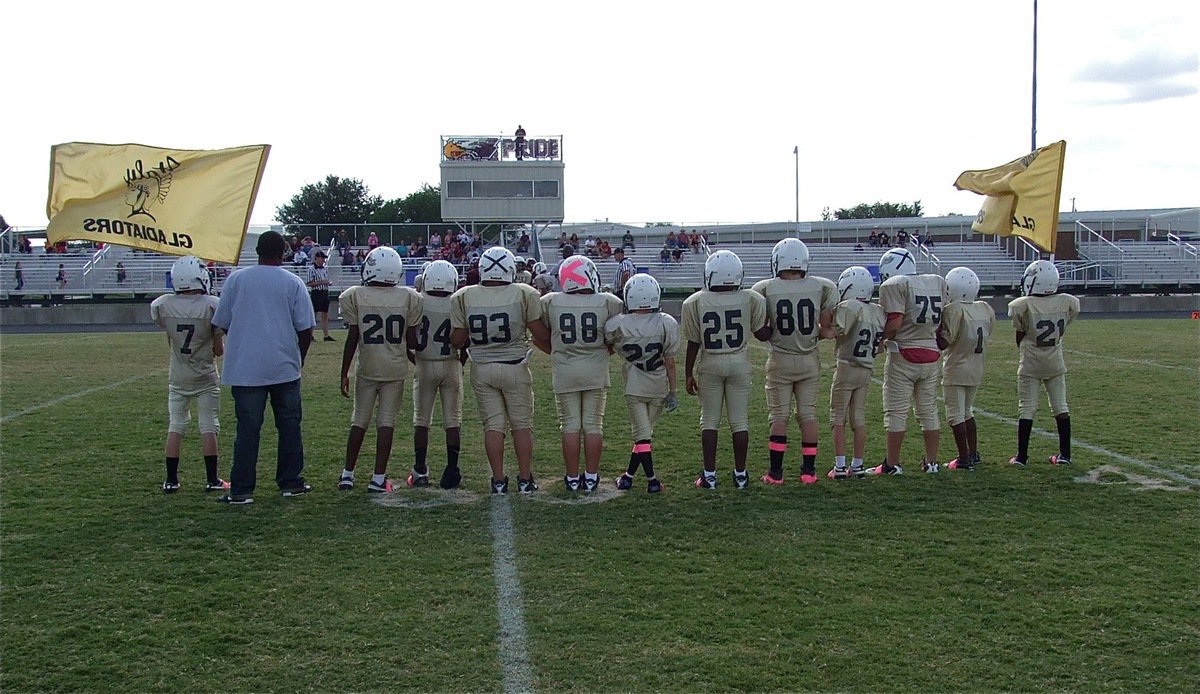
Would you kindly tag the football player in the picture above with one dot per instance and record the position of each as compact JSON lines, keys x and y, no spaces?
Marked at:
{"x":858,"y":328}
{"x":1040,"y":318}
{"x":194,"y":344}
{"x":437,"y":373}
{"x":542,"y":281}
{"x":799,"y":307}
{"x":379,"y":313}
{"x":419,"y":280}
{"x":523,"y":276}
{"x":966,"y":326}
{"x":494,"y":319}
{"x":575,"y":318}
{"x":717,"y":323}
{"x":647,"y":339}
{"x":913,"y":304}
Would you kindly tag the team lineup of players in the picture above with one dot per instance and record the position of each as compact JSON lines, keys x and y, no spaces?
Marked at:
{"x":930,"y":328}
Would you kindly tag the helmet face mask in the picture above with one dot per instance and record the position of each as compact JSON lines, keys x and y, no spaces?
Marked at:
{"x":896,"y":261}
{"x":188,"y":274}
{"x":723,"y":269}
{"x":789,"y":254}
{"x":1040,"y":279}
{"x":856,"y":282}
{"x":963,"y":285}
{"x":642,"y":292}
{"x":440,"y":276}
{"x":382,"y":265}
{"x":578,"y":273}
{"x":497,"y":264}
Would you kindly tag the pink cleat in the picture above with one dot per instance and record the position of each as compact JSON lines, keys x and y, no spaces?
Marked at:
{"x":836,"y":473}
{"x":767,"y":479}
{"x":808,"y":478}
{"x":1059,"y":460}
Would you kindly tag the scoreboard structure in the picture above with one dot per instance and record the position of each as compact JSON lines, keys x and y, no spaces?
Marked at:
{"x":489,"y":179}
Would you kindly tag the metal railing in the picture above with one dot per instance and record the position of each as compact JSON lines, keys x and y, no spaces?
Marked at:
{"x":1185,"y":248}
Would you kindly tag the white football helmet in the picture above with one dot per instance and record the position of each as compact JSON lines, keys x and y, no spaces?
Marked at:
{"x":1040,"y":278}
{"x":856,"y":282}
{"x":578,"y":273}
{"x":963,"y":284}
{"x":896,"y":261}
{"x":642,"y":292}
{"x":189,"y":273}
{"x":383,"y":265}
{"x":520,"y":262}
{"x":539,"y":267}
{"x":440,"y":276}
{"x":723,"y":269}
{"x":789,"y":254}
{"x":497,"y":264}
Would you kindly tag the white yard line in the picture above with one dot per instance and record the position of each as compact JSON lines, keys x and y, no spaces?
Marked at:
{"x":1139,"y":362}
{"x":514,"y":654}
{"x":71,"y":396}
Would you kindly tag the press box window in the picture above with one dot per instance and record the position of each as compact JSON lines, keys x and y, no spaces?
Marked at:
{"x":545,"y":189}
{"x":458,"y":189}
{"x":503,"y":189}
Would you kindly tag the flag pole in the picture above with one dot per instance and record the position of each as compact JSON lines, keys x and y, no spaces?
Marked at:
{"x":1033,"y":125}
{"x":796,"y":151}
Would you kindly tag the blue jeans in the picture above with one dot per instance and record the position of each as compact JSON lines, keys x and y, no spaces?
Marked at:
{"x":249,"y":404}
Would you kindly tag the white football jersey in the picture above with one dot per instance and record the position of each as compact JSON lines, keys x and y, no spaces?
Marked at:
{"x":496,"y":320}
{"x":859,"y":328}
{"x":382,"y":315}
{"x":187,"y":318}
{"x":644,"y":341}
{"x":966,"y":329}
{"x":578,"y":354}
{"x":921,"y":298}
{"x":1044,"y":320}
{"x":433,"y":330}
{"x":794,"y":308}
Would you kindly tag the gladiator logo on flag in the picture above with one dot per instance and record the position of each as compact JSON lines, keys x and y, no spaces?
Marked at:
{"x":174,"y":201}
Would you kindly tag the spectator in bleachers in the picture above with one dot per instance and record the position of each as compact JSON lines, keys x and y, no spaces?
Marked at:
{"x":341,"y":243}
{"x":627,"y":240}
{"x":589,"y":247}
{"x":300,"y":258}
{"x":419,"y":250}
{"x":435,"y":242}
{"x":665,"y":254}
{"x":677,"y":255}
{"x":19,"y":276}
{"x":902,"y":238}
{"x":858,"y":247}
{"x":672,"y":242}
{"x":574,"y":241}
{"x":605,"y":249}
{"x":473,"y":272}
{"x":695,"y":242}
{"x":402,"y":248}
{"x":26,"y":245}
{"x":372,"y":241}
{"x":883,"y":239}
{"x":359,"y":258}
{"x":523,"y":244}
{"x":61,"y":278}
{"x":347,"y":257}
{"x":562,"y":239}
{"x":928,"y":241}
{"x":873,"y":238}
{"x":121,"y":273}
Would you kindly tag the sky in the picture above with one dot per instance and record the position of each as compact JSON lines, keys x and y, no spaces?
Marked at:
{"x":684,"y":112}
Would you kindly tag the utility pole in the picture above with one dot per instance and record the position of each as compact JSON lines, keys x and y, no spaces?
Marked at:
{"x":796,"y":151}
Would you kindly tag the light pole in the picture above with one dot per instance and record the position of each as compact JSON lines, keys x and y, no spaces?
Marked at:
{"x":796,"y":152}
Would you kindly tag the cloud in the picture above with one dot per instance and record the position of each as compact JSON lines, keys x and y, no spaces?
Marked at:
{"x":1154,"y":91}
{"x":1142,"y":67}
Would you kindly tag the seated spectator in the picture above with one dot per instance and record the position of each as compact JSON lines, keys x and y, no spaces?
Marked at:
{"x":627,"y":240}
{"x":26,"y":245}
{"x":341,"y":243}
{"x":695,"y":242}
{"x":858,"y":247}
{"x":677,"y":255}
{"x":574,"y":240}
{"x":605,"y":250}
{"x":348,"y":257}
{"x":883,"y":239}
{"x":359,"y":258}
{"x":562,"y":239}
{"x":873,"y":238}
{"x":372,"y":241}
{"x":902,"y":238}
{"x":665,"y":254}
{"x":300,"y":258}
{"x":121,"y":276}
{"x":672,"y":242}
{"x":523,"y":244}
{"x":435,"y":241}
{"x":402,"y":248}
{"x":419,"y":250}
{"x":589,"y":246}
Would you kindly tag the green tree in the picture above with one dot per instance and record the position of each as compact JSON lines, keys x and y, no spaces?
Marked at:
{"x":880,"y":210}
{"x":422,"y":207}
{"x":332,"y":201}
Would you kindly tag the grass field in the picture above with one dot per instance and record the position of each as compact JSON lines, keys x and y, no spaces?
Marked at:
{"x":1044,"y":578}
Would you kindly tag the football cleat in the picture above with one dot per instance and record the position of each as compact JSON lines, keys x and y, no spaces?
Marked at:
{"x":858,"y":471}
{"x":590,"y":485}
{"x":572,"y":485}
{"x":741,"y":480}
{"x":975,"y":459}
{"x":1013,"y":461}
{"x":838,"y":473}
{"x":885,"y":469}
{"x":218,"y":486}
{"x":1059,"y":460}
{"x":416,"y":479}
{"x":929,"y":468}
{"x":500,"y":487}
{"x":381,"y":488}
{"x":624,"y":482}
{"x":451,"y":477}
{"x":526,"y":486}
{"x":170,"y":487}
{"x":961,"y":464}
{"x":653,"y":486}
{"x":808,"y":477}
{"x":235,"y":499}
{"x":346,"y":482}
{"x":704,"y":481}
{"x":770,"y":479}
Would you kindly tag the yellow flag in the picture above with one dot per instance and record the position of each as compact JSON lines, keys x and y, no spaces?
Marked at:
{"x":175,"y":201}
{"x":1022,"y":196}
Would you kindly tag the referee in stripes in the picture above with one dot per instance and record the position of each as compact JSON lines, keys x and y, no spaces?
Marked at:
{"x":318,"y":290}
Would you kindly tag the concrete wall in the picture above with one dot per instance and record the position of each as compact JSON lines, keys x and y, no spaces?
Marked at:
{"x":131,"y":316}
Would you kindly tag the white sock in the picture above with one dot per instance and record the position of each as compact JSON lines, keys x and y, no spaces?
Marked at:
{"x":839,"y":461}
{"x":379,"y":479}
{"x":348,"y":473}
{"x":573,"y":479}
{"x":710,"y":475}
{"x":591,"y":476}
{"x":856,"y":463}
